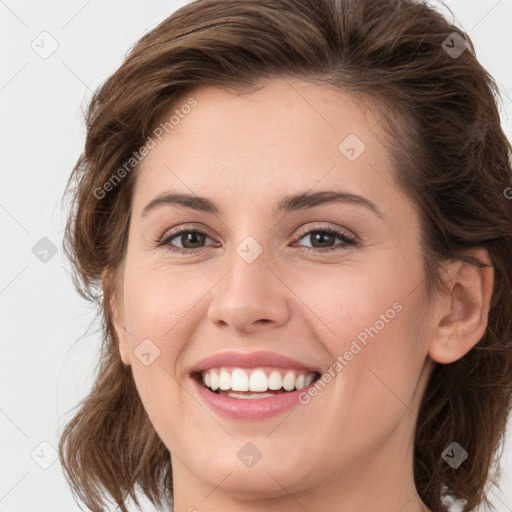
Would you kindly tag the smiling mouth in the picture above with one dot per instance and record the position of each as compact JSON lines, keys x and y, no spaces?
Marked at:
{"x":303,"y":383}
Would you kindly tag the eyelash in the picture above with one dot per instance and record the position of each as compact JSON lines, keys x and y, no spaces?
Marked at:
{"x":340,"y":234}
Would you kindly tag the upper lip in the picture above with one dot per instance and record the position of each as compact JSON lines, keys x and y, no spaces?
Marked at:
{"x":250,"y":360}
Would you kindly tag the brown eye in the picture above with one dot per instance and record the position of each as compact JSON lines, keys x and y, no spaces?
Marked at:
{"x":193,"y":240}
{"x":190,"y":239}
{"x":322,"y":239}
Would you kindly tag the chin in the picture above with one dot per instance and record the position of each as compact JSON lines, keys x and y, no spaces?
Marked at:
{"x":266,"y":479}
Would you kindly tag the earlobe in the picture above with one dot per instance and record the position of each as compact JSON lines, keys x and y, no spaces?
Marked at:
{"x":462,"y":318}
{"x":113,"y":292}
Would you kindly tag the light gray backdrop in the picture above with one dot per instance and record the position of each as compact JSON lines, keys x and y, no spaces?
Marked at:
{"x":54,"y":54}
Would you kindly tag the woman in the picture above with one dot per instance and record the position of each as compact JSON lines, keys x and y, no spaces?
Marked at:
{"x":298,"y":217}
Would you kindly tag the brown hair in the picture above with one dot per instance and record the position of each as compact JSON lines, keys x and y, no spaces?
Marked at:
{"x":451,"y":157}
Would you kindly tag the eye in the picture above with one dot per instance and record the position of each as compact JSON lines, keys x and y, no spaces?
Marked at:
{"x":192,"y":239}
{"x":325,"y":236}
{"x":186,"y":237}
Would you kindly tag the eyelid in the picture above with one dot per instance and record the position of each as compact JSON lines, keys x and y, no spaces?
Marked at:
{"x":302,"y":230}
{"x":348,"y":241}
{"x":183,"y":227}
{"x":320,"y":226}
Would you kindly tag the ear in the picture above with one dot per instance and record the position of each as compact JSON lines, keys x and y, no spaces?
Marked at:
{"x":110,"y":287}
{"x":462,"y":315}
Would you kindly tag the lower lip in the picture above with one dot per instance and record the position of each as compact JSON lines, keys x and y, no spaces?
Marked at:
{"x":253,"y":409}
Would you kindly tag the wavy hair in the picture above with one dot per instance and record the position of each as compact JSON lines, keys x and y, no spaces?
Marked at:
{"x":440,"y":115}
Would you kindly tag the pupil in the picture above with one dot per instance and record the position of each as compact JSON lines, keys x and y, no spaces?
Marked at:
{"x":322,"y":235}
{"x":190,"y":236}
{"x":197,"y":239}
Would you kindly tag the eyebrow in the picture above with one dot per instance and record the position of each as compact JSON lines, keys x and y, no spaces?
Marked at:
{"x":290,"y":203}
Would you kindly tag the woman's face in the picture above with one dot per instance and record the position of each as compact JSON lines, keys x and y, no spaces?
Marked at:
{"x":259,"y":281}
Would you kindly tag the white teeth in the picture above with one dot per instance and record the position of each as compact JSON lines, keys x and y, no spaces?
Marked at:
{"x":308,"y":380}
{"x":255,"y":380}
{"x":239,"y":380}
{"x":214,"y":381}
{"x":289,"y":381}
{"x":258,"y":381}
{"x":274,"y":381}
{"x":251,"y":396}
{"x":224,"y":380}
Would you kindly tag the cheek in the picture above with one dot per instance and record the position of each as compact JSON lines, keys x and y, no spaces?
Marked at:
{"x":159,"y":304}
{"x":369,"y":324}
{"x":159,"y":323}
{"x":347,"y":304}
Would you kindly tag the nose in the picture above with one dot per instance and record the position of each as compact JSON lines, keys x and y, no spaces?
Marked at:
{"x":250,"y":297}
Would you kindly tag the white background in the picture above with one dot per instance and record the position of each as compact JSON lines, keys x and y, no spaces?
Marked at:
{"x":47,"y":358}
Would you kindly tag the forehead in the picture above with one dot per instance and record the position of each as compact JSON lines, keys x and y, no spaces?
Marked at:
{"x":286,"y":135}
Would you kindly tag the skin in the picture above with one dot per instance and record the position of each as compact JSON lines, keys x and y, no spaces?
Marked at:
{"x":350,"y":448}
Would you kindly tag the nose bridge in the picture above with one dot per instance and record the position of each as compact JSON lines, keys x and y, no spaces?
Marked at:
{"x":249,"y":292}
